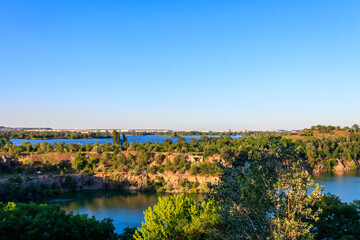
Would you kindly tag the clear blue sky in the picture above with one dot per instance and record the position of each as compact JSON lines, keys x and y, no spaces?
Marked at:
{"x":179,"y":64}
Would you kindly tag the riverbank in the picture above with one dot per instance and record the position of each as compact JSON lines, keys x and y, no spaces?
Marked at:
{"x":337,"y":166}
{"x":36,"y":176}
{"x":54,"y":173}
{"x":126,"y":208}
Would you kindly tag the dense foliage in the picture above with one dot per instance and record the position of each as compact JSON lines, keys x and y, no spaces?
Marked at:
{"x":196,"y":133}
{"x":16,"y":190}
{"x":338,"y":220}
{"x":38,"y":221}
{"x":267,"y":197}
{"x":317,"y":150}
{"x":179,"y":217}
{"x":51,"y":135}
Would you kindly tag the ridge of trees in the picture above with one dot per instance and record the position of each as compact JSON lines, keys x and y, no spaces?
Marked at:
{"x":323,"y":150}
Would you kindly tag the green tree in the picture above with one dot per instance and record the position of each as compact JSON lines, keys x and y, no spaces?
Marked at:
{"x":355,"y":127}
{"x":38,"y":221}
{"x":265,"y":198}
{"x":124,"y":138}
{"x":179,"y":217}
{"x":79,"y":162}
{"x":293,"y":212}
{"x":142,"y":158}
{"x":118,"y":141}
{"x":116,"y":137}
{"x":337,"y":219}
{"x":128,"y":233}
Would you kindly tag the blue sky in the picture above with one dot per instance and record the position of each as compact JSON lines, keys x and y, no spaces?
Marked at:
{"x":179,"y":64}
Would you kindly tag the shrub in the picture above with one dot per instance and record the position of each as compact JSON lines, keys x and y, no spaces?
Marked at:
{"x":159,"y":159}
{"x":153,"y":169}
{"x":39,"y":221}
{"x":79,"y":162}
{"x":193,"y":191}
{"x":179,"y":217}
{"x":160,"y":190}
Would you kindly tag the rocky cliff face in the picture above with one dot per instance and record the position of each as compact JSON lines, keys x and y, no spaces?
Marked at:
{"x":168,"y":181}
{"x":341,"y":166}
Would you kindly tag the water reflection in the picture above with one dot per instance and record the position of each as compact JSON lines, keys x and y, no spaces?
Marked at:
{"x":124,"y":207}
{"x":346,"y":185}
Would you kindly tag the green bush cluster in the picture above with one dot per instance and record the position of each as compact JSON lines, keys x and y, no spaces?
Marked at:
{"x":18,"y":191}
{"x":156,"y":185}
{"x":323,"y":149}
{"x":38,"y":221}
{"x":206,"y":168}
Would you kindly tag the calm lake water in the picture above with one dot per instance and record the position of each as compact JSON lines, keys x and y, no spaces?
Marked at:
{"x":344,"y":185}
{"x":126,"y":208}
{"x":139,"y":139}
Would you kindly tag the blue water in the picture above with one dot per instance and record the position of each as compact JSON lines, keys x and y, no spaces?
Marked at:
{"x":139,"y":139}
{"x":345,"y":185}
{"x":126,"y":208}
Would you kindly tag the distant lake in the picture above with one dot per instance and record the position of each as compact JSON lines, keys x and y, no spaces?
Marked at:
{"x":139,"y":139}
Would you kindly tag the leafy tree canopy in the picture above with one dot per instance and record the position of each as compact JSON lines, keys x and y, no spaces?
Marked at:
{"x":179,"y":217}
{"x":38,"y":221}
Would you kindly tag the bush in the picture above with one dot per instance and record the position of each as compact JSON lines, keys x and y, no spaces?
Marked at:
{"x":160,"y":190}
{"x":193,"y":191}
{"x":89,"y":181}
{"x":16,"y":179}
{"x":194,"y":170}
{"x":79,"y":162}
{"x":188,"y":184}
{"x":29,"y":192}
{"x":69,"y":183}
{"x":159,"y":158}
{"x":161,"y":169}
{"x":345,"y":219}
{"x":142,"y":158}
{"x":128,"y":233}
{"x":153,"y":169}
{"x":179,"y":217}
{"x":39,"y":221}
{"x":137,"y":171}
{"x":206,"y":168}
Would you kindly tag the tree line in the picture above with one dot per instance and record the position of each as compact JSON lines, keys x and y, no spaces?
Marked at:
{"x":322,"y":150}
{"x":51,"y":135}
